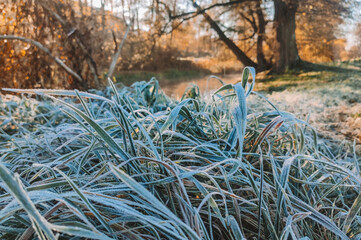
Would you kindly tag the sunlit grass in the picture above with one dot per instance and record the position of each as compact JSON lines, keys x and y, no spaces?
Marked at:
{"x":132,"y":163}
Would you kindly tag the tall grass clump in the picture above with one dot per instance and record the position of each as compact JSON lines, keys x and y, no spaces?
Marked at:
{"x":132,"y":163}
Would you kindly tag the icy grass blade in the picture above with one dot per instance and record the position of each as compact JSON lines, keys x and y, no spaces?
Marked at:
{"x":79,"y":232}
{"x":14,"y":186}
{"x":87,"y":202}
{"x":142,"y":191}
{"x":245,"y":75}
{"x":236,"y":231}
{"x":355,"y":208}
{"x":187,"y":170}
{"x":55,"y":92}
{"x":101,"y":132}
{"x":240,"y":116}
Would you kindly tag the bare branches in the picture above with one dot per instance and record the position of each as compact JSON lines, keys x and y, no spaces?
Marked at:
{"x":241,"y":56}
{"x":189,"y":15}
{"x":73,"y":31}
{"x":117,"y":54}
{"x":47,"y":51}
{"x":201,"y":11}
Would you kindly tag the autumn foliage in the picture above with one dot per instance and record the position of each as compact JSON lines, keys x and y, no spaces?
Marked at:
{"x":85,"y":38}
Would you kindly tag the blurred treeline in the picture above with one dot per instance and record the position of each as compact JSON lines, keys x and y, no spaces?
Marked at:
{"x":218,"y":36}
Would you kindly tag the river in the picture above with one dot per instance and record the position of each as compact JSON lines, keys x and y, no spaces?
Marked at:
{"x":205,"y":84}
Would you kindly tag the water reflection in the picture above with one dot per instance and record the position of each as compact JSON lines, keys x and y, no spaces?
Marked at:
{"x":205,"y":84}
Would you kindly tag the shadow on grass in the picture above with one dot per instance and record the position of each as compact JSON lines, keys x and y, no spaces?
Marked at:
{"x":280,"y":88}
{"x":342,"y":68}
{"x":315,"y":71}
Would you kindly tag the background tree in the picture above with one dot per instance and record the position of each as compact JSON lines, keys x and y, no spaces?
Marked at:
{"x":286,"y":50}
{"x":288,"y":14}
{"x":220,"y":36}
{"x":319,"y":29}
{"x":49,"y":24}
{"x":355,"y":51}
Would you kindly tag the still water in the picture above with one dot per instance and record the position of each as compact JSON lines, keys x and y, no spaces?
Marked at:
{"x":205,"y":84}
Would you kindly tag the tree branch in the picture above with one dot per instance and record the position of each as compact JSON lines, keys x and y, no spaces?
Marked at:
{"x":46,"y":50}
{"x":73,"y":31}
{"x":117,"y":54}
{"x":201,"y":11}
{"x":241,"y":56}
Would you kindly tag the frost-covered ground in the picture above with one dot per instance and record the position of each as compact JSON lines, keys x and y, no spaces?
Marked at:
{"x":333,"y":107}
{"x":329,"y":100}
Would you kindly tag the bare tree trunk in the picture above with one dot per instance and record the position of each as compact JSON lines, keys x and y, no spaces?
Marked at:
{"x":261,"y":60}
{"x":47,"y":51}
{"x":285,"y":24}
{"x":241,"y":56}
